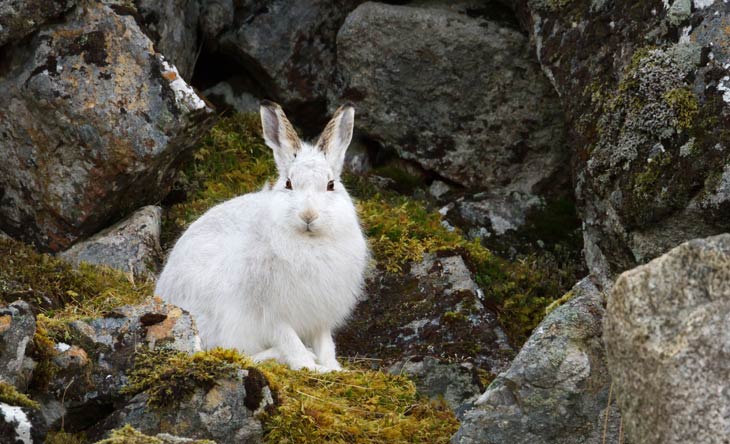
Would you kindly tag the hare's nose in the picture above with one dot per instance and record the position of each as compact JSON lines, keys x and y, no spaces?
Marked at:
{"x":308,"y":216}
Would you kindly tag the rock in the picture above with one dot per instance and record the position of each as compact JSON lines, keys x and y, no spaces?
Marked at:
{"x":413,"y":87}
{"x":557,"y":388}
{"x":489,"y":214}
{"x":94,"y":125}
{"x":225,"y":93}
{"x":288,"y":46}
{"x":173,"y":26}
{"x":224,"y":413}
{"x":17,"y":327}
{"x":132,"y":245}
{"x":20,"y":425}
{"x":456,"y":383}
{"x":666,"y":342}
{"x":644,"y":86}
{"x":433,"y":309}
{"x":18,"y":18}
{"x":91,"y":366}
{"x":357,"y":159}
{"x":215,"y":16}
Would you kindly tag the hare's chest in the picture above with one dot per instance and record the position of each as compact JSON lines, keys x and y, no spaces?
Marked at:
{"x":325,"y":284}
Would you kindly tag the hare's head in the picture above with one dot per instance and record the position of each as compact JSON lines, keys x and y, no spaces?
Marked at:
{"x":314,"y":201}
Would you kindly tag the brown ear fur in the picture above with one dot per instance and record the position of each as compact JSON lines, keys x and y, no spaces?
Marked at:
{"x":281,"y":121}
{"x":330,"y":130}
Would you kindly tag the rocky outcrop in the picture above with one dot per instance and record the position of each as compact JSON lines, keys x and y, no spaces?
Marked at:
{"x":18,"y":18}
{"x":224,"y":413}
{"x":90,"y":368}
{"x":287,"y":46}
{"x":17,"y":327}
{"x":414,"y":87}
{"x":557,"y":388}
{"x":173,"y":27}
{"x":666,"y":341}
{"x":645,"y":88}
{"x":457,"y":383}
{"x":93,"y":126}
{"x":403,"y":313}
{"x":132,"y":245}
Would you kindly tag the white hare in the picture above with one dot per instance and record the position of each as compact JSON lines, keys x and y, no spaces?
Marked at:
{"x":273,"y":273}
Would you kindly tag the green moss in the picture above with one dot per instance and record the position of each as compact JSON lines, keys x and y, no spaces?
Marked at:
{"x":557,"y":5}
{"x":10,"y":395}
{"x":60,"y":291}
{"x":129,"y":435}
{"x":685,"y":105}
{"x":356,"y":406}
{"x":170,"y":376}
{"x":451,"y":317}
{"x":558,"y":302}
{"x":65,"y":438}
{"x":647,"y":181}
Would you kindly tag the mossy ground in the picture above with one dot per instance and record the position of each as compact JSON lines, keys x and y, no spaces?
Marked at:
{"x":356,"y":406}
{"x":169,"y":376}
{"x":60,"y":293}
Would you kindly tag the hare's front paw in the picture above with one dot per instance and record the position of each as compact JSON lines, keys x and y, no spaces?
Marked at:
{"x":332,"y":365}
{"x":308,"y":364}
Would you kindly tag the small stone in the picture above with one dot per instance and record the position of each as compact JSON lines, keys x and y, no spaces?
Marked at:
{"x":131,"y":246}
{"x":73,"y":357}
{"x":17,"y":328}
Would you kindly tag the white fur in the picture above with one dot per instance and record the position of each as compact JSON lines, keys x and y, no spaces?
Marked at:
{"x":256,"y":277}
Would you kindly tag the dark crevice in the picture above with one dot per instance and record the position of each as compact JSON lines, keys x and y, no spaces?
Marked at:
{"x":497,"y":12}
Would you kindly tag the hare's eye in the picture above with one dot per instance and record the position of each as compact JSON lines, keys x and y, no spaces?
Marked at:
{"x":288,"y":184}
{"x":331,"y":185}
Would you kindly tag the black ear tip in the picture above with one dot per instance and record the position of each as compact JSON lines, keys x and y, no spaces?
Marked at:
{"x":269,"y":104}
{"x":348,"y":105}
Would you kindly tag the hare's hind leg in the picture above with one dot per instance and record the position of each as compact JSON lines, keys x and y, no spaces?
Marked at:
{"x":324,"y":348}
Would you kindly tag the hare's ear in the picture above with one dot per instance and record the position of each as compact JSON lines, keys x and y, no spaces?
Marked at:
{"x":336,"y":137}
{"x":279,"y":134}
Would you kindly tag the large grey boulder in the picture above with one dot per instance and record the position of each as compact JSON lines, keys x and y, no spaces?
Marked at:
{"x":288,"y":46}
{"x":93,"y":124}
{"x":173,"y":27}
{"x":644,"y":86}
{"x":18,"y":18}
{"x":434,"y":308}
{"x":667,"y":337}
{"x":132,"y":245}
{"x":458,"y":94}
{"x":557,"y":388}
{"x":17,"y":327}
